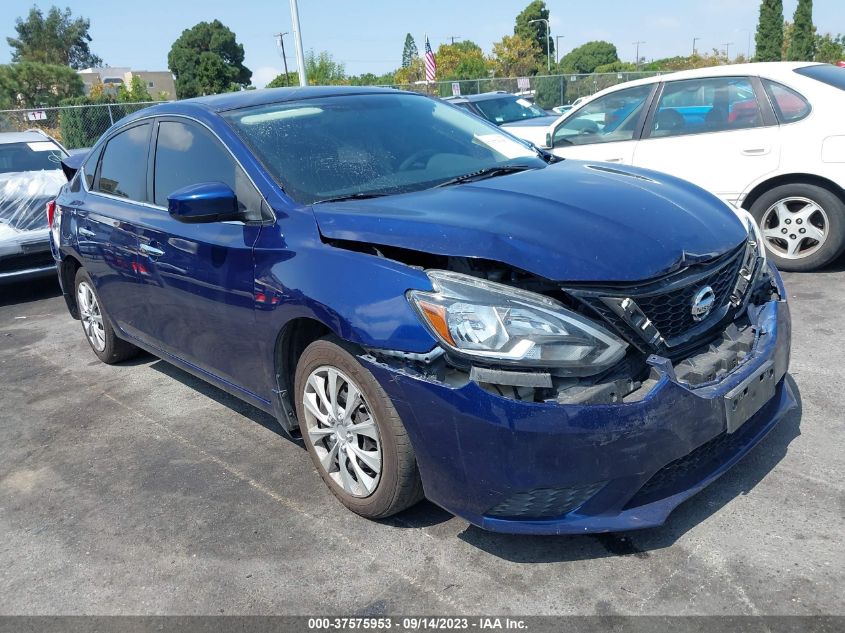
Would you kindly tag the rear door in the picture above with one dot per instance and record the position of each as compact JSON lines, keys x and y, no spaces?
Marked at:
{"x":717,"y":132}
{"x":605,"y":129}
{"x":116,"y":182}
{"x":198,"y":279}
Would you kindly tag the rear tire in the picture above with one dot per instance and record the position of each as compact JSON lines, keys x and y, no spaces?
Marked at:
{"x":355,"y":437}
{"x":98,"y":329}
{"x":789,"y":214}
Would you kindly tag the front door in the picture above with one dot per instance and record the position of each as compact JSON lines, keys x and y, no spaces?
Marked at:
{"x":604,"y":129}
{"x":712,"y":132}
{"x":198,"y":279}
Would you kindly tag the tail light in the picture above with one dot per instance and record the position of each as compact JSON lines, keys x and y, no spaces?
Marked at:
{"x":51,"y":213}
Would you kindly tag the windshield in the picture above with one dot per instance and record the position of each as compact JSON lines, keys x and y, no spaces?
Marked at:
{"x":34,"y":156}
{"x":372,"y":144}
{"x":508,"y":109}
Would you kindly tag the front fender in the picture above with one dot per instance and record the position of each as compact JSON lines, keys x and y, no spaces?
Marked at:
{"x":359,"y":297}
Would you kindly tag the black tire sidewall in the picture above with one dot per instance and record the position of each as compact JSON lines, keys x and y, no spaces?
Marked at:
{"x":834,"y":208}
{"x":383,"y":501}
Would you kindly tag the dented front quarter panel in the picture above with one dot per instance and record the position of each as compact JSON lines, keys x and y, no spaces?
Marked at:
{"x":361,"y":298}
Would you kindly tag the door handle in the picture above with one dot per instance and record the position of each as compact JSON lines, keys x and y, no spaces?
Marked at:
{"x":152,"y":251}
{"x":613,"y":160}
{"x":86,"y":232}
{"x":755,"y":151}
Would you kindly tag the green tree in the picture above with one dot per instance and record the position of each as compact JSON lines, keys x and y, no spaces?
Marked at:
{"x":371,"y":79}
{"x":323,"y":70}
{"x":587,"y":57}
{"x":56,"y":38}
{"x":135,"y":93}
{"x":282,"y":80}
{"x":769,"y":37}
{"x":549,"y":91}
{"x":535,"y":31}
{"x":207,"y":59}
{"x":829,"y":49}
{"x":31,"y":84}
{"x":802,"y":47}
{"x":616,"y":67}
{"x":410,"y":51}
{"x":461,"y":60}
{"x":515,"y":56}
{"x":414,"y":72}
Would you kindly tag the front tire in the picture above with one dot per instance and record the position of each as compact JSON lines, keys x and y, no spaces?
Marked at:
{"x":96,"y":324}
{"x":803,"y":226}
{"x":353,"y":433}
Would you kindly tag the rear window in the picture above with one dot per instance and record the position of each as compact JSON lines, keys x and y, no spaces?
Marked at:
{"x":789,"y":105}
{"x":33,"y":156}
{"x":825,"y":73}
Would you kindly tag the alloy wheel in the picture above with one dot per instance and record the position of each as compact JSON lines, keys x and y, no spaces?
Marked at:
{"x":343,"y":431}
{"x":91,"y":316}
{"x":794,"y":227}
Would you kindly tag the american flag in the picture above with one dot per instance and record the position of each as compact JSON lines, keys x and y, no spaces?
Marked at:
{"x":430,"y":64}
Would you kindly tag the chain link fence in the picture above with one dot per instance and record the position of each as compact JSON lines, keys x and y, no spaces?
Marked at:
{"x":75,"y":126}
{"x":548,"y":90}
{"x":80,"y":126}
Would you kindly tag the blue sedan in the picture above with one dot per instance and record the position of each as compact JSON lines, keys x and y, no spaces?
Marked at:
{"x":537,"y":345}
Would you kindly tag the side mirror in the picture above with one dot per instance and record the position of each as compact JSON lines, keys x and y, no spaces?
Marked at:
{"x":203,"y":202}
{"x":549,"y":140}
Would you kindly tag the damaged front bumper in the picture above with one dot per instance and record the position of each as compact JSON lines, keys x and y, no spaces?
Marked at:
{"x":553,"y":468}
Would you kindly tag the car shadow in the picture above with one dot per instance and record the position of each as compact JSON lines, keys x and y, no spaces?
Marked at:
{"x":26,"y":292}
{"x":740,"y":480}
{"x":229,"y":401}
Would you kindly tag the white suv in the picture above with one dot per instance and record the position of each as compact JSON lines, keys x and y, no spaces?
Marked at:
{"x":768,"y":137}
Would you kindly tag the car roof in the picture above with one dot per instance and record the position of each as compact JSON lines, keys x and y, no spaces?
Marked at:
{"x":773,"y":69}
{"x":30,"y":136}
{"x":266,"y":96}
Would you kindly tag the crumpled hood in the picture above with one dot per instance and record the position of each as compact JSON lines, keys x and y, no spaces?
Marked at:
{"x":572,"y":221}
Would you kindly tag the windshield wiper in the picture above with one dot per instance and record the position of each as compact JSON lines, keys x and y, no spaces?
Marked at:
{"x":361,"y":195}
{"x":483,"y":174}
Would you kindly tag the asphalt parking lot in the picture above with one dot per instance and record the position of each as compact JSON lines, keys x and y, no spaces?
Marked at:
{"x":139,"y":489}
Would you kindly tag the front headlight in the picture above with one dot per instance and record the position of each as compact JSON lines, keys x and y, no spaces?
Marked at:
{"x":491,"y":322}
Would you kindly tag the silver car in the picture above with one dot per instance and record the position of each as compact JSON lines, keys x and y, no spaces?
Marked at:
{"x":30,"y":176}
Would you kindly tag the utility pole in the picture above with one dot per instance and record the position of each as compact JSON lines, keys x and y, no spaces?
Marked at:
{"x":280,"y":38}
{"x":557,"y":48}
{"x":297,"y":43}
{"x":694,"y":40}
{"x":637,"y":44}
{"x":728,"y":51}
{"x":548,"y":43}
{"x":453,"y":38}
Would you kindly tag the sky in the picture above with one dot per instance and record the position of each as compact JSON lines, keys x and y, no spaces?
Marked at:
{"x":368,"y":35}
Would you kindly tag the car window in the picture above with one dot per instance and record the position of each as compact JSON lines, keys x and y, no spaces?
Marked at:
{"x":372,"y":144}
{"x":89,"y":167}
{"x":123,"y":168}
{"x":32,"y":156}
{"x":606,"y":119}
{"x":825,"y":73}
{"x":789,"y":105}
{"x":695,"y":106}
{"x":187,"y":154}
{"x":508,"y":109}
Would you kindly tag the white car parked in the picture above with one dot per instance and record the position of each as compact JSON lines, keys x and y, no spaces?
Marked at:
{"x":767,"y":137}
